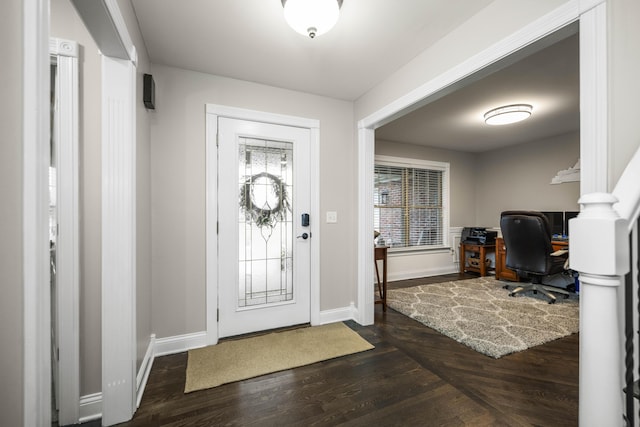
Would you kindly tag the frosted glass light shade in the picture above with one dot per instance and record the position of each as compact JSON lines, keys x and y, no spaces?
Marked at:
{"x":508,"y":114}
{"x":311,"y":17}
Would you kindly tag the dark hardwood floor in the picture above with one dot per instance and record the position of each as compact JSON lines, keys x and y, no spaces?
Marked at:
{"x":414,"y":377}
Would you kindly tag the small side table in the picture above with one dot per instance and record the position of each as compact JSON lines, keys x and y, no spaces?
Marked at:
{"x":380,"y":254}
{"x":481,"y":250}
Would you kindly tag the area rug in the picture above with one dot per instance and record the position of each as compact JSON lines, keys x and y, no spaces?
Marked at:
{"x":245,"y":358}
{"x":480,"y":314}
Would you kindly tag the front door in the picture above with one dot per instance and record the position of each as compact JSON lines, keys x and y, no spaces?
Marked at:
{"x":263,"y":232}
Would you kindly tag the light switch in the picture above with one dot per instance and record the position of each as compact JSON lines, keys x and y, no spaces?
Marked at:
{"x":332,"y":217}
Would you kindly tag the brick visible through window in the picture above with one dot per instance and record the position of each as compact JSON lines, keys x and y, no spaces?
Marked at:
{"x":410,"y":205}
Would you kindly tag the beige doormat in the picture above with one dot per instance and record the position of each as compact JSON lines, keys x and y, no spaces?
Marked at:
{"x":237,"y":360}
{"x":480,"y":314}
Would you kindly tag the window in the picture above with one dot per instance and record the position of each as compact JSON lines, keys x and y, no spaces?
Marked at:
{"x":411,"y":202}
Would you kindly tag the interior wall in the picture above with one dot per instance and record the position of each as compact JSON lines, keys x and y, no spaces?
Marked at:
{"x":178,"y":191}
{"x":143,"y":189}
{"x":65,"y":23}
{"x":462,"y":173}
{"x":492,"y":24}
{"x":519,"y":177}
{"x":11,"y":260}
{"x":624,"y":85}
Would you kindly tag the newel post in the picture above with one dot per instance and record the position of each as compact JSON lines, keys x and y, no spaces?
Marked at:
{"x":599,"y":251}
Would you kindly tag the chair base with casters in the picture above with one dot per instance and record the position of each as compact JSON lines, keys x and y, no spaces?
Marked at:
{"x":536,"y":286}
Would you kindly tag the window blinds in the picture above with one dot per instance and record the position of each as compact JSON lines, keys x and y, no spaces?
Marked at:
{"x":408,"y":205}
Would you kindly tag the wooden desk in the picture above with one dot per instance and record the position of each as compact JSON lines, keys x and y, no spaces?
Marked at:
{"x":481,"y":250}
{"x":380,"y":254}
{"x":559,"y":244}
{"x":504,"y":273}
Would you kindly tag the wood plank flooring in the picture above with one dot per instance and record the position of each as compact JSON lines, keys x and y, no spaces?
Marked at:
{"x":414,"y":377}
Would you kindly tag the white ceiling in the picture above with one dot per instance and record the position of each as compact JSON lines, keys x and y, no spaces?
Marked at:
{"x":249,"y":40}
{"x":549,"y":80}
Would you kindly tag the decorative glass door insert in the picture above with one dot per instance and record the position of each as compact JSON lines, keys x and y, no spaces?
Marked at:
{"x":263,"y":183}
{"x":265,"y":222}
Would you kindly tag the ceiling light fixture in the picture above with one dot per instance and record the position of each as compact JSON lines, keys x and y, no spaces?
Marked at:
{"x":311,"y":17}
{"x":508,"y":114}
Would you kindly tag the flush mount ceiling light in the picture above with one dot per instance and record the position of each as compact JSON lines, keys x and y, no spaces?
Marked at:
{"x":508,"y":114}
{"x":311,"y":17}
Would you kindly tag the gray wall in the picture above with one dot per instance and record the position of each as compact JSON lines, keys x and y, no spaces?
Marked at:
{"x":519,"y":177}
{"x":462,"y":176}
{"x":11,"y":302}
{"x":624,"y":85}
{"x":178,"y":191}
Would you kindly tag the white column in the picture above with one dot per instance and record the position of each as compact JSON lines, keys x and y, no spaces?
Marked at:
{"x":118,"y":241}
{"x":600,"y":253}
{"x":366,"y":153}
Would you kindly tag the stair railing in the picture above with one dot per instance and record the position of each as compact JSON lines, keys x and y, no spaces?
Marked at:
{"x":601,"y":251}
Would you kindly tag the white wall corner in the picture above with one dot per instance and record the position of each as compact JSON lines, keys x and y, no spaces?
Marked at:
{"x":179,"y":343}
{"x":339,"y":314}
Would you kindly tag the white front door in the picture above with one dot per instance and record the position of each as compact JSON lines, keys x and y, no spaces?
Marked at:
{"x":264,"y":240}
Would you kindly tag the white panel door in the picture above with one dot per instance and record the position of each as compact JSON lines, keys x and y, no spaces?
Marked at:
{"x":263,"y":242}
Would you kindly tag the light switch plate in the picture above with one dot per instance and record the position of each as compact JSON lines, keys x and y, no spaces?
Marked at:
{"x":332,"y":217}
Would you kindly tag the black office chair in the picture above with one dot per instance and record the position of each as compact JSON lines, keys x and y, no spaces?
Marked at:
{"x":527,"y":238}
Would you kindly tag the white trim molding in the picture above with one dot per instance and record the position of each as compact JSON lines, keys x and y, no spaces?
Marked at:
{"x":180,"y":343}
{"x":339,"y":314}
{"x":65,"y":55}
{"x":145,"y":369}
{"x":106,"y":24}
{"x":594,"y":133}
{"x":90,"y":407}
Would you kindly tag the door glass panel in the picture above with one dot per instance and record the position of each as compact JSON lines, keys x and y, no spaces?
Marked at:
{"x":265,"y":179}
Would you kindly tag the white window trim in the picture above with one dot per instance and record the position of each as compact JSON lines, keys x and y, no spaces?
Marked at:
{"x":444,"y":167}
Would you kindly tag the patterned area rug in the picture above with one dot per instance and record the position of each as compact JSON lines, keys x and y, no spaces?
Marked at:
{"x":480,"y":314}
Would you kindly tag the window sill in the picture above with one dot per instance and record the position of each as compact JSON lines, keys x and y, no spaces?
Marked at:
{"x":418,"y":250}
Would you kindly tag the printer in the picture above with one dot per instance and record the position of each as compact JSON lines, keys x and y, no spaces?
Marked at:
{"x":478,"y":236}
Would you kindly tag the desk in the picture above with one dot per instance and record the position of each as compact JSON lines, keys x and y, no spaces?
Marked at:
{"x":504,"y":273}
{"x":380,"y":254}
{"x":481,"y":250}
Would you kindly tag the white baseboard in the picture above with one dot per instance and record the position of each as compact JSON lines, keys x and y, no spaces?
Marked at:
{"x":338,"y":315}
{"x":179,"y":343}
{"x":145,"y":369}
{"x":90,"y":407}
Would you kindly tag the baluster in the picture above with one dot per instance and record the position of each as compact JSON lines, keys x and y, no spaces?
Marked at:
{"x":635,"y":392}
{"x":629,"y":339}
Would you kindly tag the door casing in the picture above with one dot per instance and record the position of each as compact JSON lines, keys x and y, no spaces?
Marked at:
{"x":213,"y":112}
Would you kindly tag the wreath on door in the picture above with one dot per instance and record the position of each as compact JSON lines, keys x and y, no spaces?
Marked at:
{"x":271,"y":211}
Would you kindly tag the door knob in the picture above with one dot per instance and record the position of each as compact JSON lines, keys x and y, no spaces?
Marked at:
{"x":304,"y":236}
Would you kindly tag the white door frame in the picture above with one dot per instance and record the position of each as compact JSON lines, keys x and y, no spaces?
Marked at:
{"x":65,"y":53}
{"x":212,"y":114}
{"x":593,"y":121}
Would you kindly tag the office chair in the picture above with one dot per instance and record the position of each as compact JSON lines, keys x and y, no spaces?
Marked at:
{"x":527,"y":238}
